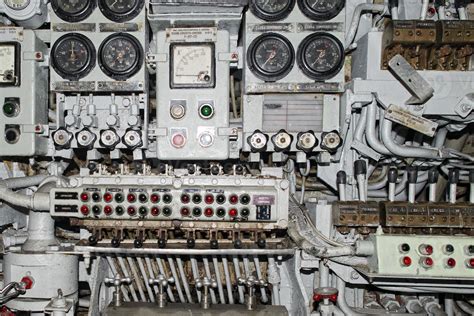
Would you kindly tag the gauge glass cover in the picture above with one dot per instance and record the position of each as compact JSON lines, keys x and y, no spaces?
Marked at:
{"x":121,"y":56}
{"x":192,"y":66}
{"x":73,"y":56}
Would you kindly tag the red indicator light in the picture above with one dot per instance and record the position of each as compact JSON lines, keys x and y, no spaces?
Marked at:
{"x":154,"y":198}
{"x":85,"y":210}
{"x":427,"y":262}
{"x":406,"y":261}
{"x":108,"y":197}
{"x":233,"y":199}
{"x":131,"y":211}
{"x":451,"y":263}
{"x":108,"y":210}
{"x":185,"y":199}
{"x":185,"y":211}
{"x":85,"y":197}
{"x":233,"y":213}
{"x":131,"y":198}
{"x":470,"y":263}
{"x":155,"y":211}
{"x":209,"y":212}
{"x":209,"y":199}
{"x":426,"y":250}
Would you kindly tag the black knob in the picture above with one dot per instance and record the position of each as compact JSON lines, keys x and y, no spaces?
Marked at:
{"x":237,"y":244}
{"x":360,"y":167}
{"x":261,"y":243}
{"x":453,"y":176}
{"x":412,"y":175}
{"x":392,"y":175}
{"x":93,"y":240}
{"x":138,"y":243}
{"x":191,"y":169}
{"x":162,"y":243}
{"x":214,"y":244}
{"x":341,"y":177}
{"x":433,"y":176}
{"x":191,"y":243}
{"x":215,"y":170}
{"x":115,"y":242}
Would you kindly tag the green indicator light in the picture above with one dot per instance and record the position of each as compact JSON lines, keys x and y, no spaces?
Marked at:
{"x":10,"y":109}
{"x":207,"y":111}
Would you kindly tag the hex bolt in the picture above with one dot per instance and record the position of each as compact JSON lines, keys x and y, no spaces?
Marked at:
{"x":117,"y":282}
{"x":162,"y":282}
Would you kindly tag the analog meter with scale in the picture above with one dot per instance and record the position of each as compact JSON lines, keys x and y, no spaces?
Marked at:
{"x":9,"y":66}
{"x":192,"y":66}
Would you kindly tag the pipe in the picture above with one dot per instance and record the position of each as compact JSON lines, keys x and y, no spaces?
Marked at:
{"x":471,"y":186}
{"x":370,"y":132}
{"x":433,"y":176}
{"x":424,"y":9}
{"x":228,"y":284}
{"x":38,"y":201}
{"x":449,"y":306}
{"x":341,"y":180}
{"x":341,"y":299}
{"x":406,"y":151}
{"x":323,"y":274}
{"x":442,"y":12}
{"x":363,"y":7}
{"x":466,"y":307}
{"x":361,"y":125}
{"x":218,"y":279}
{"x":392,"y":183}
{"x":360,"y":169}
{"x":184,"y":279}
{"x":462,"y":13}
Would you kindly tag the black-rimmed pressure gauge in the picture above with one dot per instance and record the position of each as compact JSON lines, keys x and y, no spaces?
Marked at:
{"x":321,"y":56}
{"x":120,"y":56}
{"x":321,"y":10}
{"x":73,"y":56}
{"x":73,"y":10}
{"x":271,"y":57}
{"x":272,"y":10}
{"x":121,"y":10}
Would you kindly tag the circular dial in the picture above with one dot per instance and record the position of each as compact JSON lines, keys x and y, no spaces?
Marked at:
{"x":73,"y":10}
{"x":17,"y":4}
{"x":321,"y":10}
{"x":73,"y":56}
{"x":272,"y":10}
{"x":120,"y":56}
{"x":121,"y":10}
{"x":271,"y":57}
{"x":321,"y":56}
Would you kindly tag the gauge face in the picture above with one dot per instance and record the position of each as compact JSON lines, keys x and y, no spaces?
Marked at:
{"x":192,"y":66}
{"x":121,"y":10}
{"x":272,"y":10}
{"x":120,"y":56}
{"x":8,"y":64}
{"x":321,"y":10}
{"x":17,"y":4}
{"x":321,"y":56}
{"x":73,"y":10}
{"x":271,"y":57}
{"x":73,"y":56}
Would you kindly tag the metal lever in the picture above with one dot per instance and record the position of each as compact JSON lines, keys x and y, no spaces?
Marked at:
{"x":162,"y":282}
{"x":117,"y":282}
{"x":205,"y":284}
{"x":251,"y":282}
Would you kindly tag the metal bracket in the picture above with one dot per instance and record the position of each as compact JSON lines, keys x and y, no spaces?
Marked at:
{"x":420,"y":89}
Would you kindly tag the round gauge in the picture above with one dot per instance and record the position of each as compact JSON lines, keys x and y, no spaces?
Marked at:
{"x":73,"y":10}
{"x":17,"y":4}
{"x":272,"y":10}
{"x":321,"y":10}
{"x":121,"y":10}
{"x":73,"y":56}
{"x":321,"y":56}
{"x":120,"y":56}
{"x":271,"y":57}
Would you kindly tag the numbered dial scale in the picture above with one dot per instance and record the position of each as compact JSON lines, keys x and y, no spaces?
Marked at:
{"x":9,"y":64}
{"x":272,"y":10}
{"x":321,"y":10}
{"x":73,"y":56}
{"x":270,"y":57}
{"x":321,"y":56}
{"x":192,"y":66}
{"x":73,"y":10}
{"x":120,"y":56}
{"x":121,"y":10}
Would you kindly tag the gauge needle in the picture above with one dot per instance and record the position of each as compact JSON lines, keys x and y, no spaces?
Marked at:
{"x":272,"y":55}
{"x":316,"y":3}
{"x":113,"y":4}
{"x":322,"y":53}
